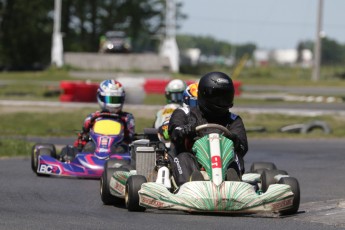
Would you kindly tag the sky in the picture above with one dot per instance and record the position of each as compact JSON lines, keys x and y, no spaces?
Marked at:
{"x":270,"y":24}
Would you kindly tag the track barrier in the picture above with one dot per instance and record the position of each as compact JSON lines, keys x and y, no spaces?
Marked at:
{"x":81,"y":91}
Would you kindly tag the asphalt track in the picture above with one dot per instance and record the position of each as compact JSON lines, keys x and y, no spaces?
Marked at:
{"x":32,"y":202}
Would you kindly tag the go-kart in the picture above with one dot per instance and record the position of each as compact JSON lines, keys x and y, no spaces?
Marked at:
{"x":263,"y":189}
{"x":104,"y":142}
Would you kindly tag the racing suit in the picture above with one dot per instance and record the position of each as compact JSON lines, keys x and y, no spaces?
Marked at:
{"x":164,"y":114}
{"x":125,"y":117}
{"x":183,"y":161}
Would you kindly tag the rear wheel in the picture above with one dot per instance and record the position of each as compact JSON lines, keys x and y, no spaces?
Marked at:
{"x":127,"y":167}
{"x":106,"y":197}
{"x":133,"y":186}
{"x":267,"y":178}
{"x":293,"y":182}
{"x":116,"y":163}
{"x":258,"y":167}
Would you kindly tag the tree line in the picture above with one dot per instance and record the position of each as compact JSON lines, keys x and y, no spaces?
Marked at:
{"x":27,"y":26}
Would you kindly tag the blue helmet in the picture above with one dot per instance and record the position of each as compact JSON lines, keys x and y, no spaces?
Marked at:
{"x":111,"y":96}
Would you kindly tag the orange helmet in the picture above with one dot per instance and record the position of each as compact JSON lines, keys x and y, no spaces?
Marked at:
{"x":190,"y":95}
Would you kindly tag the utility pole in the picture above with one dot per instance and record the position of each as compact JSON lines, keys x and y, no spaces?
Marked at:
{"x":57,"y":46}
{"x":317,"y":46}
{"x":169,"y":46}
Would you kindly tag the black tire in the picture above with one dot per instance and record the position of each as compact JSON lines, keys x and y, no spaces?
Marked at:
{"x":106,"y":197}
{"x":232,"y":175}
{"x":116,"y":163}
{"x":133,"y":186}
{"x":41,"y":150}
{"x":68,"y":153}
{"x":151,"y":134}
{"x":89,"y":147}
{"x":293,"y":182}
{"x":128,"y":167}
{"x":34,"y":158}
{"x":51,"y":147}
{"x":267,"y":178}
{"x":316,"y":125}
{"x":257,"y":167}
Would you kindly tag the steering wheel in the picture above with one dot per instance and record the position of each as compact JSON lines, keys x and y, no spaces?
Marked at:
{"x":215,"y":126}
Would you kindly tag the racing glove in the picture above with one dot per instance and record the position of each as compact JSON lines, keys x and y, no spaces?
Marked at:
{"x":185,"y":130}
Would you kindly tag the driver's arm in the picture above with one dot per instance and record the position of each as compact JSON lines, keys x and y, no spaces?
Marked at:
{"x":87,"y":123}
{"x":239,"y":136}
{"x":178,"y":120}
{"x":129,"y":121}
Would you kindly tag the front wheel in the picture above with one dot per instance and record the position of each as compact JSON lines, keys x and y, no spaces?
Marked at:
{"x":133,"y":186}
{"x":268,"y":178}
{"x":258,"y":167}
{"x":106,"y":197}
{"x":293,"y":183}
{"x":41,"y":150}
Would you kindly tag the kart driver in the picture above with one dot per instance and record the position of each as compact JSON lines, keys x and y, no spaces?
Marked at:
{"x":215,"y":98}
{"x":110,"y":97}
{"x":190,"y":95}
{"x":174,"y":97}
{"x":190,"y":99}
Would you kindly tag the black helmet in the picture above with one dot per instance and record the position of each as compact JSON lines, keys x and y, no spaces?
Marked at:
{"x":215,"y":94}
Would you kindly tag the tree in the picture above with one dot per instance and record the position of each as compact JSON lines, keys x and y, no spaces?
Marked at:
{"x":210,"y":46}
{"x":26,"y":29}
{"x":26,"y":26}
{"x":332,"y":52}
{"x":141,"y":20}
{"x":245,"y":49}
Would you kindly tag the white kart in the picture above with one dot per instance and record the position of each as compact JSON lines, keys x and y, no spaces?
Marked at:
{"x":149,"y":184}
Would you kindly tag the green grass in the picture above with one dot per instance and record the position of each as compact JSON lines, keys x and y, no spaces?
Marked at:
{"x":48,"y":75}
{"x":51,"y":124}
{"x":60,"y":124}
{"x":68,"y":123}
{"x":273,"y":122}
{"x":13,"y":148}
{"x":292,"y":76}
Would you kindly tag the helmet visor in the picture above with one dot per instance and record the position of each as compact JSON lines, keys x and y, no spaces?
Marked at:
{"x":192,"y":102}
{"x":112,"y":99}
{"x":219,"y":97}
{"x":176,"y":97}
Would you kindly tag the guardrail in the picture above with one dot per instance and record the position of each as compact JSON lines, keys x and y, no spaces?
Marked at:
{"x":81,"y":91}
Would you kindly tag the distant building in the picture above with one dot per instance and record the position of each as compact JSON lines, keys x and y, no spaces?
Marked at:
{"x":284,"y":57}
{"x":193,"y":55}
{"x":287,"y":57}
{"x":261,"y":57}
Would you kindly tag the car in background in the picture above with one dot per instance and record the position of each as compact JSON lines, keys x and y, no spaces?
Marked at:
{"x":115,"y":42}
